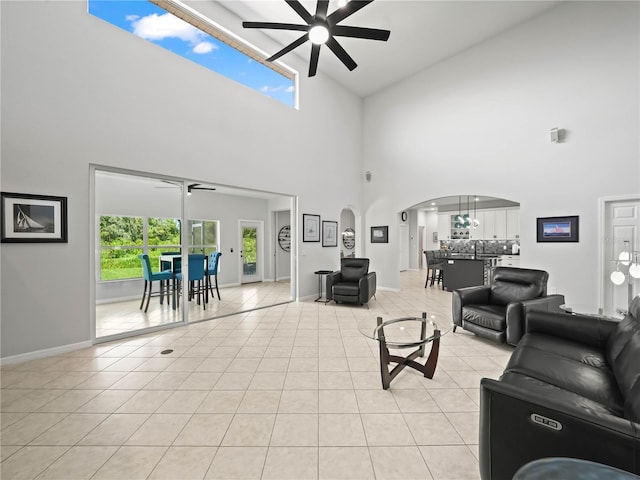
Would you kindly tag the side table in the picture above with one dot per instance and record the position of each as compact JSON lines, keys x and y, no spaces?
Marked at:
{"x":321,"y":274}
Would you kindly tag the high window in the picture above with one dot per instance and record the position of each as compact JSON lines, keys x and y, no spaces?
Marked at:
{"x":183,"y":31}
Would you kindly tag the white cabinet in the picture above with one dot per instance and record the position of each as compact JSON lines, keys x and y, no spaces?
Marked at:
{"x":478,"y":232}
{"x":444,"y":227}
{"x":510,"y":261}
{"x":513,"y":224}
{"x":495,"y":224}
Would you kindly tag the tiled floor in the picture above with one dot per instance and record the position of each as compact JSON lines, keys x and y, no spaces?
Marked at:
{"x":120,"y":317}
{"x":288,"y":392}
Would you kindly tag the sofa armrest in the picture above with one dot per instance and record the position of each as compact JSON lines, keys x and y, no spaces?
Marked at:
{"x":331,"y":279}
{"x":587,"y":329}
{"x":467,"y":296}
{"x":507,"y":425}
{"x":516,"y":314}
{"x":367,"y":286}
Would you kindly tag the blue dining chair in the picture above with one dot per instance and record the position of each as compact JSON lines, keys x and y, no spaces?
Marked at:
{"x":196,"y":277}
{"x":212,"y":271}
{"x":149,"y":277}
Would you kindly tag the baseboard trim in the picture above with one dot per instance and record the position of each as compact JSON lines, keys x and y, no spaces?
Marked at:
{"x":24,"y":357}
{"x":387,"y":289}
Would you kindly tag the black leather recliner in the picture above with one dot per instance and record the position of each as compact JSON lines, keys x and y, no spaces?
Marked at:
{"x":571,"y":389}
{"x":353,"y":283}
{"x":496,"y":311}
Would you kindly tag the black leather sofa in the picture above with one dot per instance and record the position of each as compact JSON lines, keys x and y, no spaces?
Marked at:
{"x":570,"y":389}
{"x":353,"y":283}
{"x":496,"y":311}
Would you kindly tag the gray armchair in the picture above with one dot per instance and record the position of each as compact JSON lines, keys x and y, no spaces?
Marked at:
{"x":497,"y":311}
{"x":353,"y":283}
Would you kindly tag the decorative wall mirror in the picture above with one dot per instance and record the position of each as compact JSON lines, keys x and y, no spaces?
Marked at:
{"x":284,"y":238}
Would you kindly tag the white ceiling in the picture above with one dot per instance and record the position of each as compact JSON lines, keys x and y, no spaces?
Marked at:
{"x":423,"y":32}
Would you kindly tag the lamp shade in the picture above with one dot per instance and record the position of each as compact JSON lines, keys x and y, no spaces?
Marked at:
{"x":625,"y":257}
{"x":617,"y":277}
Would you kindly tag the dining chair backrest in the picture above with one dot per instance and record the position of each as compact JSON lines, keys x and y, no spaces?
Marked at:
{"x":166,"y":265}
{"x":213,"y":263}
{"x":196,"y":266}
{"x":146,"y":266}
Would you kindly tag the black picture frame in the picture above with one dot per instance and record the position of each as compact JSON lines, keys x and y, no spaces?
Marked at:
{"x":310,"y":227}
{"x":28,"y":218}
{"x":558,"y":229}
{"x":380,"y":234}
{"x":329,"y":233}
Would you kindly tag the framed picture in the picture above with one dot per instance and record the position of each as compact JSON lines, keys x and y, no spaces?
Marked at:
{"x":380,"y":234}
{"x":310,"y":228}
{"x":329,"y":234}
{"x":558,"y":229}
{"x":33,"y":218}
{"x":435,"y":236}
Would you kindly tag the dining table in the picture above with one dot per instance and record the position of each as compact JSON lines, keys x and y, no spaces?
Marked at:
{"x":176,"y":261}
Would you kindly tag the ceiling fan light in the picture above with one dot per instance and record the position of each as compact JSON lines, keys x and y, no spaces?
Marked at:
{"x":342,"y":3}
{"x":318,"y":34}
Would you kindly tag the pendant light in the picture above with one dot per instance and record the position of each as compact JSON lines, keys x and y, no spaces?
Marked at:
{"x":459,"y":219}
{"x":476,"y":222}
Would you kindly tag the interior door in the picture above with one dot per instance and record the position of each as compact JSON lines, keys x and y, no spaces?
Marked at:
{"x":622,"y":223}
{"x":250,"y":251}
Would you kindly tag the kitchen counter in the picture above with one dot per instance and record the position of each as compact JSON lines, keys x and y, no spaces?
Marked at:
{"x":462,"y":272}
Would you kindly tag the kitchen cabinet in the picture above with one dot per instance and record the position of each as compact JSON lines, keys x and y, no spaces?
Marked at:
{"x":510,"y":261}
{"x":460,"y":273}
{"x":495,"y":224}
{"x":444,"y":227}
{"x":478,"y":232}
{"x":513,"y":224}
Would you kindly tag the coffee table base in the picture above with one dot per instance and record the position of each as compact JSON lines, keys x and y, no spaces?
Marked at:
{"x":428,"y":369}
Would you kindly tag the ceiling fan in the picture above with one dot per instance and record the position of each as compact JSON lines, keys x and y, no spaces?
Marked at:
{"x":322,"y":29}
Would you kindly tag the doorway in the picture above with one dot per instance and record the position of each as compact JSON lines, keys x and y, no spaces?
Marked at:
{"x":621,"y":223}
{"x":174,"y":221}
{"x":250,"y":251}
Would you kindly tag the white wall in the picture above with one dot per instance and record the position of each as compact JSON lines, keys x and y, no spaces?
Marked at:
{"x":480,"y":121}
{"x":77,"y":90}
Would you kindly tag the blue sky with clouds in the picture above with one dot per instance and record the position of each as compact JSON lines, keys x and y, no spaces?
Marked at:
{"x":150,"y":22}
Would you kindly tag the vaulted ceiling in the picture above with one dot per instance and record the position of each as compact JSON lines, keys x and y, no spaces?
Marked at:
{"x":423,"y":32}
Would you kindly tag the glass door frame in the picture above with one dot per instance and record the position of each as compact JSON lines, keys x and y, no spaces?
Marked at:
{"x":95,"y":253}
{"x":259,"y":225}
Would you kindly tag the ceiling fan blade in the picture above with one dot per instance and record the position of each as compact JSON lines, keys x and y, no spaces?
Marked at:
{"x":300,"y":10}
{"x":276,"y":26}
{"x":341,"y":53}
{"x":349,"y":9}
{"x":321,"y":9}
{"x":289,"y":47}
{"x":313,"y":64}
{"x":359,"y":32}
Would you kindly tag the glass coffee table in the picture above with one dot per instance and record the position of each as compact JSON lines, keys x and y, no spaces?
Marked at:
{"x":405,"y":333}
